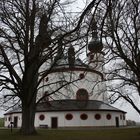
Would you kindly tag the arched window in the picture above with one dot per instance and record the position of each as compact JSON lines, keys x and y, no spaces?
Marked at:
{"x":41,"y":117}
{"x":84,"y":116}
{"x":69,"y":116}
{"x":82,"y":94}
{"x":97,"y":116}
{"x":108,"y":116}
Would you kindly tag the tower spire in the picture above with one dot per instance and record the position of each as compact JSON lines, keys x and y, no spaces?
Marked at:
{"x":93,"y":29}
{"x":95,"y":45}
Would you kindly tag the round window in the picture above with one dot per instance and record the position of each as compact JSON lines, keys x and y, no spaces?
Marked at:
{"x":69,"y":116}
{"x":108,"y":116}
{"x":41,"y":117}
{"x":84,"y":116}
{"x":97,"y":116}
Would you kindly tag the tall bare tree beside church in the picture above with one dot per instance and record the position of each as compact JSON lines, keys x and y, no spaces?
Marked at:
{"x":30,"y":34}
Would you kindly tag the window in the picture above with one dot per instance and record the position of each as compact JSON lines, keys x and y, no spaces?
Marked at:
{"x":82,"y":94}
{"x":123,"y":117}
{"x":120,"y":117}
{"x":81,"y":75}
{"x":91,"y":57}
{"x":9,"y":119}
{"x":97,"y":116}
{"x":69,"y":116}
{"x":83,"y":116}
{"x":41,"y":117}
{"x":47,"y":79}
{"x":108,"y":116}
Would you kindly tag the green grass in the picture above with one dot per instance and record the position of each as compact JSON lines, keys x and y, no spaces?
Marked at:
{"x":85,"y":134}
{"x":1,"y":122}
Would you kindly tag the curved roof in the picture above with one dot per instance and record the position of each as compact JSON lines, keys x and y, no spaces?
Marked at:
{"x":64,"y":62}
{"x":71,"y":105}
{"x":76,"y":105}
{"x":62,"y":65}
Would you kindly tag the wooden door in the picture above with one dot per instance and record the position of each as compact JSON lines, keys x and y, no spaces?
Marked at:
{"x":54,"y":122}
{"x":117,"y":121}
{"x":15,"y":122}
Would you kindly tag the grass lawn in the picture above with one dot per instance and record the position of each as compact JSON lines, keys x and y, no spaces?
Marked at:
{"x":85,"y":134}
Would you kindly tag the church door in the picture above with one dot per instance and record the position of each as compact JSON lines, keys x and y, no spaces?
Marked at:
{"x":54,"y":122}
{"x":117,"y":121}
{"x":15,"y":121}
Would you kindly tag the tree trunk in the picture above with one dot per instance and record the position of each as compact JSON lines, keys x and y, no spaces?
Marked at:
{"x":28,"y":112}
{"x":28,"y":117}
{"x":28,"y":98}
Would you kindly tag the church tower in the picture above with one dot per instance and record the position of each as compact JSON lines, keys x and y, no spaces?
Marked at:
{"x":96,"y":60}
{"x":95,"y":47}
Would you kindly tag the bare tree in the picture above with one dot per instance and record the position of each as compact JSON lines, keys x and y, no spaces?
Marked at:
{"x":31,"y":33}
{"x":120,"y":31}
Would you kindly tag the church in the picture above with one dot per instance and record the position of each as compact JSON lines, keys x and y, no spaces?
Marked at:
{"x":82,"y":102}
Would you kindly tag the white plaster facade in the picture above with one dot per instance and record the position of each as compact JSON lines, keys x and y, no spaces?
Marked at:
{"x":96,"y":91}
{"x":76,"y":121}
{"x":93,"y":82}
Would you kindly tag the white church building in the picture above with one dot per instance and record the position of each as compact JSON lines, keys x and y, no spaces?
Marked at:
{"x":82,"y":103}
{"x":87,"y":108}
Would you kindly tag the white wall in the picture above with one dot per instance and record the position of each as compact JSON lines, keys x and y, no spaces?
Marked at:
{"x":75,"y":122}
{"x":7,"y":120}
{"x":88,"y":83}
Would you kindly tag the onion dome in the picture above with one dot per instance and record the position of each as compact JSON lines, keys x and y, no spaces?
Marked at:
{"x":95,"y":45}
